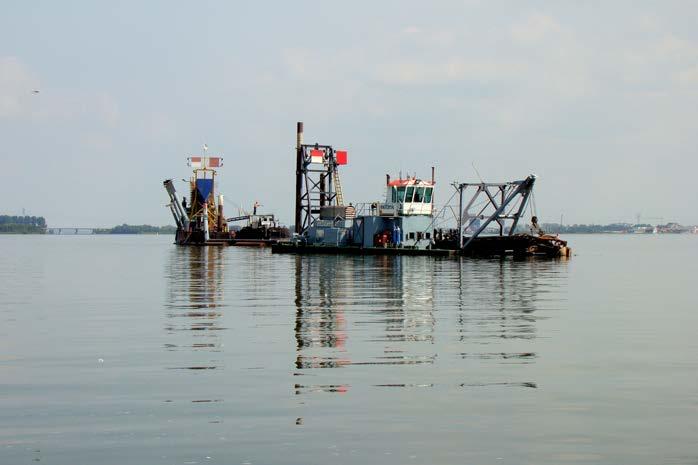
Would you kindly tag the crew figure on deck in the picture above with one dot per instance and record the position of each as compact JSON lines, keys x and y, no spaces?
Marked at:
{"x":535,"y":228}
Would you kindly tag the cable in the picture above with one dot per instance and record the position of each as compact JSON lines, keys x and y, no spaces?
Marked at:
{"x":534,"y":210}
{"x":431,"y":223}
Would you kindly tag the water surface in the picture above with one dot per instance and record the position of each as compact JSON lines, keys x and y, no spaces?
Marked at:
{"x":131,"y":350}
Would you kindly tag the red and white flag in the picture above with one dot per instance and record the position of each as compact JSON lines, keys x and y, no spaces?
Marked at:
{"x":205,"y":162}
{"x":317,"y":156}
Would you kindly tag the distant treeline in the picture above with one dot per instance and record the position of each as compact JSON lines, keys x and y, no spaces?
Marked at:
{"x":22,"y":224}
{"x":137,"y":229}
{"x":590,"y":228}
{"x":556,"y":228}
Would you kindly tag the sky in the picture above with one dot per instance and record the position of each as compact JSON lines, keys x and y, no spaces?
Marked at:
{"x":599,"y":99}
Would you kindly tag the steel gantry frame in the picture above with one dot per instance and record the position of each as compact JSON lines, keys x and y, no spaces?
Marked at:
{"x":512,"y":195}
{"x":315,"y":181}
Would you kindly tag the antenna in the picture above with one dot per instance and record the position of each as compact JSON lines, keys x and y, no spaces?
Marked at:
{"x":476,"y":171}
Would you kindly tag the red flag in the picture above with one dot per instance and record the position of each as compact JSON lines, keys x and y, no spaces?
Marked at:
{"x":341,"y":157}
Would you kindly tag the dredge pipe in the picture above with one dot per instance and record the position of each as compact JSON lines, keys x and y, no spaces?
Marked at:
{"x":169,"y":187}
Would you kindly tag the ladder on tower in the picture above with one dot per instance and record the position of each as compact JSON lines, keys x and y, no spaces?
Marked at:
{"x":337,"y":187}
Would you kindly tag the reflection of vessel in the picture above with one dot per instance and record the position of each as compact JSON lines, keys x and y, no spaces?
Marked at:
{"x":397,"y":330}
{"x":194,"y":305}
{"x":202,"y":221}
{"x":416,"y":312}
{"x":404,"y":224}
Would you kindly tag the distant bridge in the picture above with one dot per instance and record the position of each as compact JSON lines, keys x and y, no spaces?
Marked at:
{"x":70,"y":231}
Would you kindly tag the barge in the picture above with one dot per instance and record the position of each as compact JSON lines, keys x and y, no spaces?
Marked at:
{"x":404,"y":223}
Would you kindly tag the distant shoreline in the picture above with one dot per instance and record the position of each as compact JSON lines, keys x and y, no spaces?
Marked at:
{"x":25,"y":225}
{"x":36,"y":225}
{"x":137,"y":229}
{"x":22,"y":233}
{"x":124,"y":229}
{"x":12,"y":224}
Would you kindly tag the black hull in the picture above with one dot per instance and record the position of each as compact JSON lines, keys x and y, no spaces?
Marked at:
{"x":520,"y":245}
{"x":196,"y":238}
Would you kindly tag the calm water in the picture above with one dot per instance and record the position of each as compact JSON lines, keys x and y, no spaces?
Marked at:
{"x":129,"y":350}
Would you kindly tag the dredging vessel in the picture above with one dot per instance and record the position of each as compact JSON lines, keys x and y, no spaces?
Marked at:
{"x":202,"y":221}
{"x":405,"y":223}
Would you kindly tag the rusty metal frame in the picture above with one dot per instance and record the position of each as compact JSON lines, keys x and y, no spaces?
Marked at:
{"x":499,"y":196}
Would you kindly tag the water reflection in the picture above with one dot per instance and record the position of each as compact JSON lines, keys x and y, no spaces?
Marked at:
{"x":390,"y":311}
{"x":326,"y":286}
{"x":409,"y":322}
{"x":497,"y":301}
{"x":195,"y":295}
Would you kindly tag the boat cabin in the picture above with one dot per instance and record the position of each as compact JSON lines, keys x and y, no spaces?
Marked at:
{"x":409,"y":196}
{"x":404,"y":219}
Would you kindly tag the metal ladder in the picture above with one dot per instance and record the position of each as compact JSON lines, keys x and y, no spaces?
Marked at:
{"x":339,"y":197}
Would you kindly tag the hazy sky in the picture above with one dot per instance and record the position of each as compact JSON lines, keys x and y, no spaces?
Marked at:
{"x":598,"y":98}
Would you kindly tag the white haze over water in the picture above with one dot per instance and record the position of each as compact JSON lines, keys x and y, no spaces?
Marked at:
{"x":600,"y":99}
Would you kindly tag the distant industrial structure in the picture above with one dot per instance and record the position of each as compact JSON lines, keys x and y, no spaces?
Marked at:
{"x":621,"y":228}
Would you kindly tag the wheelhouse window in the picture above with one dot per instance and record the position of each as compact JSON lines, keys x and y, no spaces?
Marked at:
{"x":427,"y":194}
{"x":419,"y":195}
{"x":400,"y":194}
{"x":408,"y":194}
